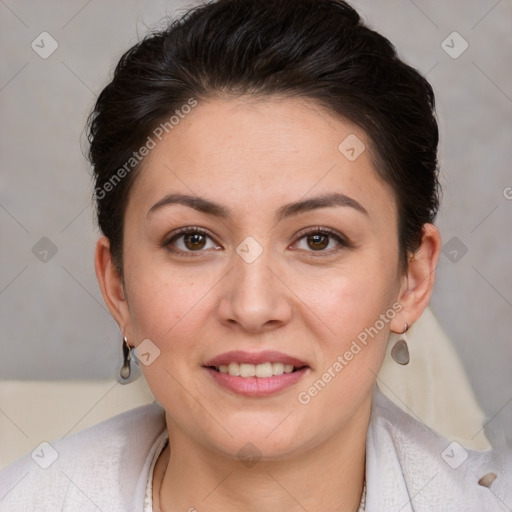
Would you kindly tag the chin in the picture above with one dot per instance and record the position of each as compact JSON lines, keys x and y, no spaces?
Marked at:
{"x":259,"y":442}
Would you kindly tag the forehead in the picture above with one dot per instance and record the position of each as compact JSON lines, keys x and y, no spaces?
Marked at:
{"x":246,"y":151}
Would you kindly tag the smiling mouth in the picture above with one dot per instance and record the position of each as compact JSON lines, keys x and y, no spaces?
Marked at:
{"x":262,"y":370}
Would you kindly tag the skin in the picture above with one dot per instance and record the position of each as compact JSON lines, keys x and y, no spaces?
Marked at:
{"x":253,"y":157}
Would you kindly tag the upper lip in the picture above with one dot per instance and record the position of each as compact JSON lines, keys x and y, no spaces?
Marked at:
{"x":266,"y":356}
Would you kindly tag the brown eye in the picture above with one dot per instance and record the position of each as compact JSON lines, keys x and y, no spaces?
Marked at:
{"x":322,"y":241}
{"x":194,"y":241}
{"x":318,"y":241}
{"x":190,"y":240}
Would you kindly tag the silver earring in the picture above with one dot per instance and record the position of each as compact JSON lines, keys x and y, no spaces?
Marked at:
{"x":400,"y":350}
{"x":128,"y":372}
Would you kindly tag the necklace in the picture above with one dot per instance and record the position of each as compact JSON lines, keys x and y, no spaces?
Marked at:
{"x":362,"y":503}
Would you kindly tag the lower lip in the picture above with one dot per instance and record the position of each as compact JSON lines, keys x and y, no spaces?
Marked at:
{"x":257,"y":386}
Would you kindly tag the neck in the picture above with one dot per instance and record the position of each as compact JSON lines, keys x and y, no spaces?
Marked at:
{"x":328,"y":476}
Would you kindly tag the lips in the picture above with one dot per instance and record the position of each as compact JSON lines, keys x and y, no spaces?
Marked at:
{"x":256,"y":374}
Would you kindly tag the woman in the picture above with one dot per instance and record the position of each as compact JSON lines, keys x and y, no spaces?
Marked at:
{"x":266,"y":184}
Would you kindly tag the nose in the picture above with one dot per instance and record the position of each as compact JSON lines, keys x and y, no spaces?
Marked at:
{"x":255,"y":297}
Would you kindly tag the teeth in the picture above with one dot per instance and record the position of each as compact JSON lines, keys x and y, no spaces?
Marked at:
{"x":247,"y":370}
{"x":263,"y":370}
{"x":234,"y":369}
{"x":278,"y":368}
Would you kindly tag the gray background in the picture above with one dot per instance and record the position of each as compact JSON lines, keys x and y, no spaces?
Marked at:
{"x":53,"y":322}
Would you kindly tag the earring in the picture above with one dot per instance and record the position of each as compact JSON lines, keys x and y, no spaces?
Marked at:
{"x":400,"y":350}
{"x":126,"y":368}
{"x":128,"y":373}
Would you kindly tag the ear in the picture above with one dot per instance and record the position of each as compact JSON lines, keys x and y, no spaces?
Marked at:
{"x":418,"y":282}
{"x":111,"y":285}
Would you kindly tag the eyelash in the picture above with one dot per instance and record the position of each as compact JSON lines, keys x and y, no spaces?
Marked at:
{"x":317,"y":230}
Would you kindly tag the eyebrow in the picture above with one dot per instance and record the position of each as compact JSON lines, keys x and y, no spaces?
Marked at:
{"x":287,"y":210}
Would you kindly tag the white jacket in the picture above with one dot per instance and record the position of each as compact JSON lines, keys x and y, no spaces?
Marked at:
{"x":409,"y":467}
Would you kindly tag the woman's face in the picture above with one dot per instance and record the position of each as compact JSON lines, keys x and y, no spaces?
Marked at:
{"x":262,"y":275}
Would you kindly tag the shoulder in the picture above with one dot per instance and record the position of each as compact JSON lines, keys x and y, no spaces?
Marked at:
{"x":96,"y":468}
{"x":412,"y":467}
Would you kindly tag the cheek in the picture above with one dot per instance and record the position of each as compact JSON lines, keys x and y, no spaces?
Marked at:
{"x":348,"y":301}
{"x":162,"y":305}
{"x":355,"y":309}
{"x":355,"y":312}
{"x":168,"y":310}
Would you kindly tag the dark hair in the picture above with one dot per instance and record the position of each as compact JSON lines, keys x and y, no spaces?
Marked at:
{"x":314,"y":49}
